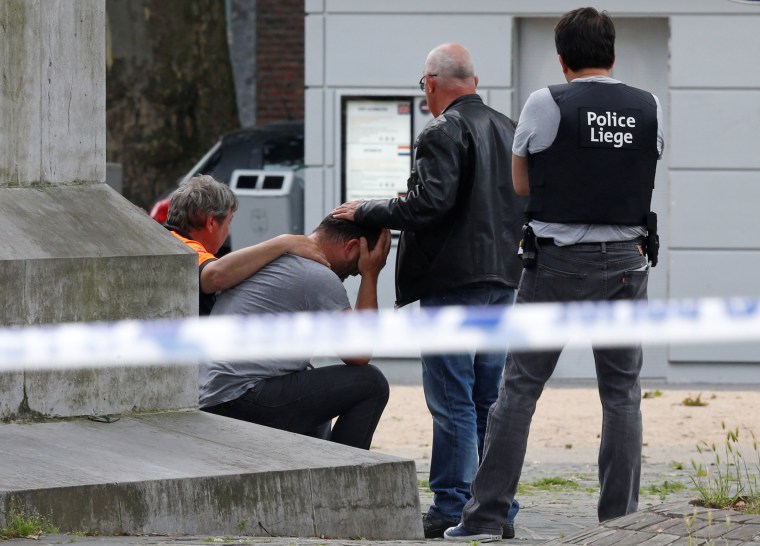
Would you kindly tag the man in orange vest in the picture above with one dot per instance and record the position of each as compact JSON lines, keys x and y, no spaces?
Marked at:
{"x":200,"y":214}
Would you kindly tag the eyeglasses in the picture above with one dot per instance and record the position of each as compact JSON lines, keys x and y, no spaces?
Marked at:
{"x":422,"y":80}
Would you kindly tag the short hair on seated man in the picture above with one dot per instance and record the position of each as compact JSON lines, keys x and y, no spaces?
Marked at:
{"x":345,"y":230}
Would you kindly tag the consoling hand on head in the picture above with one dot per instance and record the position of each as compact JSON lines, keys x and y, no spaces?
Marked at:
{"x":347,"y":210}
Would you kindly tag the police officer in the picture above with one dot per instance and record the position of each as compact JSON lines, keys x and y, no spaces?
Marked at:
{"x":585,"y":152}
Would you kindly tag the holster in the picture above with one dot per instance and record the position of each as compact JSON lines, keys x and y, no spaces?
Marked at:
{"x":527,"y":249}
{"x":653,"y":240}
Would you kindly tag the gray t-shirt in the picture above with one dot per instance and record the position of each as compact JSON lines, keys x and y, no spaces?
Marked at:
{"x":288,"y":284}
{"x":536,"y":131}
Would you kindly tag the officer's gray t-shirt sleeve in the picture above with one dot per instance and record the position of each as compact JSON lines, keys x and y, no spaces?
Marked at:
{"x":660,"y":130}
{"x":538,"y":124}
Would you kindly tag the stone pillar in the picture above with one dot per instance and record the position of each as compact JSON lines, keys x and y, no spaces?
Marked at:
{"x":73,"y":249}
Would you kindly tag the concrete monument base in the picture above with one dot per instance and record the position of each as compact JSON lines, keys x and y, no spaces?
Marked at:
{"x":197,"y":473}
{"x":84,"y":253}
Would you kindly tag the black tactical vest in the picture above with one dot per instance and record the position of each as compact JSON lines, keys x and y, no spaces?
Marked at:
{"x":600,"y":168}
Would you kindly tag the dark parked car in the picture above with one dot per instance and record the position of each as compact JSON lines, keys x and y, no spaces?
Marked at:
{"x":253,"y":161}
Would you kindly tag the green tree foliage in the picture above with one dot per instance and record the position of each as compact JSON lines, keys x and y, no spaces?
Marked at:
{"x":169,"y":89}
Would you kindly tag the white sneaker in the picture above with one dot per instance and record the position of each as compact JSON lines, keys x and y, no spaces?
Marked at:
{"x":461,"y":534}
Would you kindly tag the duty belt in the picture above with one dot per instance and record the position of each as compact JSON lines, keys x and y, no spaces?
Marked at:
{"x":549,"y":241}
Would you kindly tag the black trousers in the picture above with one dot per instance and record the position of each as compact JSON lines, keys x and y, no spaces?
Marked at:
{"x":302,"y":402}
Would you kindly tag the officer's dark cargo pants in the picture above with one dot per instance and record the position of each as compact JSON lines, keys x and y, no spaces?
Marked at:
{"x":599,"y":271}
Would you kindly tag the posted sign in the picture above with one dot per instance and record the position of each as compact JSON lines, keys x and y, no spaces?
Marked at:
{"x":378,"y":147}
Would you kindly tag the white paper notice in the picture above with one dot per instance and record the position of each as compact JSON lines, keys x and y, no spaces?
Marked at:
{"x":378,"y":148}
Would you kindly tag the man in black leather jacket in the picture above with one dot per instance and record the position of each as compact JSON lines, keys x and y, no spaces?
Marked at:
{"x":461,"y":223}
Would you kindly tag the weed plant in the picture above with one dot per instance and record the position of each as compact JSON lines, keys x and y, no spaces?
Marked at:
{"x":731,"y":480}
{"x":553,"y":483}
{"x":694,"y":402}
{"x":662,"y":491}
{"x":23,"y":524}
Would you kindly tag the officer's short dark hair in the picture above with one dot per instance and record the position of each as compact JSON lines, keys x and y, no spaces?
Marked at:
{"x":585,"y":38}
{"x":333,"y":229}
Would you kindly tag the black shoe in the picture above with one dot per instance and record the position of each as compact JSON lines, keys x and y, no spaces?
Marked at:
{"x":435,"y":527}
{"x":509,"y":531}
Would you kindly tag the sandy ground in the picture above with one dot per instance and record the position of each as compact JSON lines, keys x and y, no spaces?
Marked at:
{"x":567,"y":424}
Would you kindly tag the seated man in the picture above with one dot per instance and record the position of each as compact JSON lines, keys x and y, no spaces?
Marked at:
{"x":199,"y":215}
{"x":289,"y":394}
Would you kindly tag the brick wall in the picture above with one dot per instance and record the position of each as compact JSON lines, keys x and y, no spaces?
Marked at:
{"x":280,"y":60}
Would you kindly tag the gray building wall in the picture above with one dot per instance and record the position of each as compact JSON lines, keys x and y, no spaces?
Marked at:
{"x":700,"y":58}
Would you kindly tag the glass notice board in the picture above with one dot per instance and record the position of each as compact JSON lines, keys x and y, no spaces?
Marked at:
{"x":377,"y":146}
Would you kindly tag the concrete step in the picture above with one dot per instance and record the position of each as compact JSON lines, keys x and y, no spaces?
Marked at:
{"x":197,"y":473}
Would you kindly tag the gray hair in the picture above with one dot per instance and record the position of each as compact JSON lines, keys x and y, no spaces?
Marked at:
{"x":197,"y":199}
{"x":450,"y":61}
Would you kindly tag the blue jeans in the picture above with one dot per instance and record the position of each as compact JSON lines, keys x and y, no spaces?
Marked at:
{"x":604,"y":271}
{"x":459,"y":390}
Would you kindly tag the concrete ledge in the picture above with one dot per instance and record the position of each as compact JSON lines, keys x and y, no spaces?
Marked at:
{"x":104,"y":391}
{"x":196,"y":473}
{"x":84,"y":253}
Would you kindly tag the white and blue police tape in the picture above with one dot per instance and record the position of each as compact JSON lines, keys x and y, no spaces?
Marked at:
{"x":401,"y":333}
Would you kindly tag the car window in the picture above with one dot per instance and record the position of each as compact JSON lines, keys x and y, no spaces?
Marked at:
{"x":231,"y":156}
{"x":285,"y":151}
{"x":265,"y":150}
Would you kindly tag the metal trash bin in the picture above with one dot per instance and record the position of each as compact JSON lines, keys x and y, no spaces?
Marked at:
{"x":270,"y":204}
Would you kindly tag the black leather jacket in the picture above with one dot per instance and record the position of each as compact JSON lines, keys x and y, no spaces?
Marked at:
{"x":461,"y":218}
